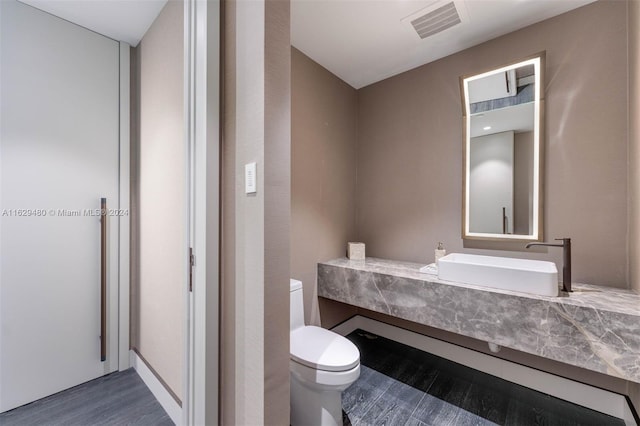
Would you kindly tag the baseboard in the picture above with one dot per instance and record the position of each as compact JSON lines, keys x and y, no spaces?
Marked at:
{"x":156,"y":387}
{"x":578,"y":393}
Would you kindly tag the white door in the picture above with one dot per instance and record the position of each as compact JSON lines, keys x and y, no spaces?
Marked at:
{"x":491,"y":184}
{"x":59,"y":133}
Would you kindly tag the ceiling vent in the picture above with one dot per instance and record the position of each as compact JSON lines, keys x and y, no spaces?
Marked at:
{"x":435,"y":18}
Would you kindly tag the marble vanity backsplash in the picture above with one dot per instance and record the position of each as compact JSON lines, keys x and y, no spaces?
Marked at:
{"x":597,"y":328}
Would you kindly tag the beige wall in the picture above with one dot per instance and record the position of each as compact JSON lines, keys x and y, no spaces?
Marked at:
{"x":255,"y":234}
{"x":277,"y":210}
{"x":157,"y":318}
{"x":410,"y":147}
{"x":323,"y":171}
{"x":228,"y":391}
{"x":249,"y":213}
{"x":634,"y":146}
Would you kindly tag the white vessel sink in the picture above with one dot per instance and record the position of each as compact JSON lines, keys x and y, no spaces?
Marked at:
{"x":523,"y":275}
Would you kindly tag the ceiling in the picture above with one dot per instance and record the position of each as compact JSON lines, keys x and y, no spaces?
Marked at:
{"x":361,"y":41}
{"x":122,"y":20}
{"x":365,"y":41}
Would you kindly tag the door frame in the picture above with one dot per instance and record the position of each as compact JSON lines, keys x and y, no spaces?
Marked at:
{"x":124,"y":222}
{"x":202,"y":23}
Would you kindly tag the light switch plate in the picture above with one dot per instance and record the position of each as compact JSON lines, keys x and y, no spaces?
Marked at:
{"x":250,"y":177}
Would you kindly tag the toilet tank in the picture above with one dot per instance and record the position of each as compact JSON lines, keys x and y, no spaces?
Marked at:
{"x":296,"y":306}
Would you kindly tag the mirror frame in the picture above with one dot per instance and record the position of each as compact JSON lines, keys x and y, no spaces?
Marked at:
{"x":538,"y":60}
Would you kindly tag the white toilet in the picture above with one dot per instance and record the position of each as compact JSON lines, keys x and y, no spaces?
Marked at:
{"x":322,"y":364}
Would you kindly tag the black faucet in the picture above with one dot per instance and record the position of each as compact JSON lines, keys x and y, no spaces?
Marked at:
{"x":566,"y":255}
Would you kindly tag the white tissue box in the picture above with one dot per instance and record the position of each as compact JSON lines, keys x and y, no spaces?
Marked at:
{"x":355,"y":251}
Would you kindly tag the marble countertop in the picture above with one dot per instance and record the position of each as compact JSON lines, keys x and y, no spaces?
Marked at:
{"x":594,"y":327}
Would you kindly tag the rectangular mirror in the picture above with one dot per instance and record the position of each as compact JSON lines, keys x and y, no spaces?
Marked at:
{"x":503,"y":143}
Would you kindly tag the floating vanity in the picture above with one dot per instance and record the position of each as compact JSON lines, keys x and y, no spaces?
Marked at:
{"x":597,"y":328}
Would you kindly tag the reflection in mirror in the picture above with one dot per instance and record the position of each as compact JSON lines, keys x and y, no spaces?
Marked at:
{"x":503,"y":128}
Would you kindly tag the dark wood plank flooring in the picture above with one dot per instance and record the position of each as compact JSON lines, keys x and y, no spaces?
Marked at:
{"x":401,"y":385}
{"x":117,"y":399}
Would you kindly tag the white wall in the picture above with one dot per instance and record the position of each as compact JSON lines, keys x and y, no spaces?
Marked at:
{"x":523,"y":183}
{"x":491,"y":182}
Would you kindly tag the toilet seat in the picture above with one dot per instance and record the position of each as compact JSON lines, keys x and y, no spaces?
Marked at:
{"x":322,"y":349}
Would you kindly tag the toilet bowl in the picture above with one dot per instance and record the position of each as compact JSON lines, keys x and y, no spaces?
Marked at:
{"x":322,"y":364}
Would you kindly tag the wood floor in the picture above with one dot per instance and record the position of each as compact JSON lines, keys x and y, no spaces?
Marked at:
{"x":400,"y":385}
{"x":117,"y":399}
